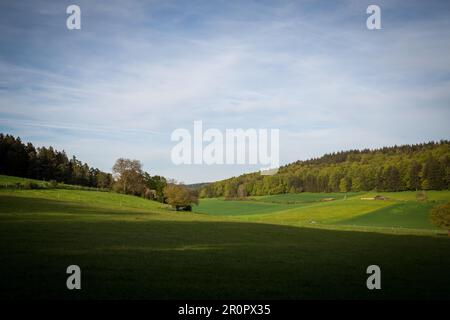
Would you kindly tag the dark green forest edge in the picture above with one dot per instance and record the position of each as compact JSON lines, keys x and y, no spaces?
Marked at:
{"x":58,"y":171}
{"x":399,"y":168}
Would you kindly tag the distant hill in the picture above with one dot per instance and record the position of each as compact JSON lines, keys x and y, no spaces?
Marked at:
{"x":197,"y":186}
{"x":423,"y":166}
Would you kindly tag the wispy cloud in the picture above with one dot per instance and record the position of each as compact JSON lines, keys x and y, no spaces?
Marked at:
{"x":139,"y":69}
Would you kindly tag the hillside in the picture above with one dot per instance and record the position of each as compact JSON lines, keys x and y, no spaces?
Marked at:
{"x":11,"y":182}
{"x":399,"y":168}
{"x":405,"y":212}
{"x":129,"y":247}
{"x":197,"y":186}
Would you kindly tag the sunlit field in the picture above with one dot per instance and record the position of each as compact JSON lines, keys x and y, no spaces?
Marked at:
{"x":287,"y":246}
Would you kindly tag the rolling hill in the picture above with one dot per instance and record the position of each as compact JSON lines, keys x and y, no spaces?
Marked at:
{"x":129,"y":247}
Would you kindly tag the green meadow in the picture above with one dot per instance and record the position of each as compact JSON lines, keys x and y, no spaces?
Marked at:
{"x":292,"y":246}
{"x":400,"y":212}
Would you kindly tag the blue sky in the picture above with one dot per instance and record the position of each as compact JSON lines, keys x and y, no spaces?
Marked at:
{"x":137,"y":70}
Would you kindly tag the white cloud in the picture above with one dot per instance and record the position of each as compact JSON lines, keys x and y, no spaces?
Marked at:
{"x":142,"y":70}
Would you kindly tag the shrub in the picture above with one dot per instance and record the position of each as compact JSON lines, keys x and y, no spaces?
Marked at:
{"x":440,"y":216}
{"x":53,"y":184}
{"x":180,"y":197}
{"x":29,"y":185}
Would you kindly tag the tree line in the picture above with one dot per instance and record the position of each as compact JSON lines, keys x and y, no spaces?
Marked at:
{"x":129,"y":178}
{"x":399,"y":168}
{"x":48,"y":164}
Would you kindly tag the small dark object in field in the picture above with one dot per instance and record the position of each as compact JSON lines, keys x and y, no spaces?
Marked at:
{"x":378,"y":197}
{"x":185,"y":208}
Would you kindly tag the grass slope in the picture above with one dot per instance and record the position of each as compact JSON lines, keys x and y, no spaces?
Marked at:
{"x":222,"y":207}
{"x":10,"y":182}
{"x":414,"y":215}
{"x":305,"y":197}
{"x":129,"y":247}
{"x":401,"y":213}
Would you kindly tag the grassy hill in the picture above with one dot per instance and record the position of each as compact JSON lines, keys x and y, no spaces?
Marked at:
{"x":128,"y":247}
{"x":401,"y":212}
{"x":10,"y":182}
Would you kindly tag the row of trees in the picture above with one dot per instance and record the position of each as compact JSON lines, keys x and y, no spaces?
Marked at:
{"x":398,"y":168}
{"x":129,"y":178}
{"x":24,"y":160}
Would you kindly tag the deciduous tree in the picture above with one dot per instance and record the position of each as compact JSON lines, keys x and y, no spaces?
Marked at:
{"x":440,"y":216}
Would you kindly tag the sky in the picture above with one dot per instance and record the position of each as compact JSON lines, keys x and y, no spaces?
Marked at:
{"x":138,"y":70}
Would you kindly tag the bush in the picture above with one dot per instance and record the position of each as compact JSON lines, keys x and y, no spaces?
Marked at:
{"x":180,"y":197}
{"x":29,"y":185}
{"x":53,"y":184}
{"x":440,"y":216}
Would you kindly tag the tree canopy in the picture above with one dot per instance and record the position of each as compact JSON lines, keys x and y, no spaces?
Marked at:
{"x":180,"y":197}
{"x":440,"y":216}
{"x":46,"y":163}
{"x":128,"y":176}
{"x":398,"y":168}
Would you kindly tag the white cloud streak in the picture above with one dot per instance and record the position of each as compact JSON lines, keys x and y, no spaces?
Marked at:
{"x":320,"y":77}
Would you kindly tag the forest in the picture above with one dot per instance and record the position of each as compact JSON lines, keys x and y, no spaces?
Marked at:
{"x":46,"y":163}
{"x":423,"y":166}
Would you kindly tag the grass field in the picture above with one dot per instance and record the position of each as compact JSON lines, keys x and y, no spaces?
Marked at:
{"x":400,"y":213}
{"x":221,"y":207}
{"x":128,"y":247}
{"x":8,"y":182}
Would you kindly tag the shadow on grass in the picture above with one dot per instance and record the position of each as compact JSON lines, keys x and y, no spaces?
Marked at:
{"x":12,"y":204}
{"x":212,"y":260}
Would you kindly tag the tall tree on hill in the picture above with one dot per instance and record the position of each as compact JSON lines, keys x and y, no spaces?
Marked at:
{"x":446,"y":166}
{"x":230,"y":190}
{"x":392,"y":179}
{"x":414,"y":180}
{"x":157,"y":184}
{"x":434,"y":174}
{"x":440,"y":216}
{"x":128,"y":176}
{"x":241,"y":191}
{"x":104,"y":180}
{"x":345,"y":185}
